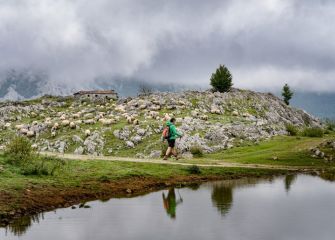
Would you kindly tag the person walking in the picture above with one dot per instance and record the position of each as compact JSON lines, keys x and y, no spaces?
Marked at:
{"x":171,"y":134}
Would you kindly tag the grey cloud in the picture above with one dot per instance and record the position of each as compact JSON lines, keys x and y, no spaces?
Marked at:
{"x":265,"y":43}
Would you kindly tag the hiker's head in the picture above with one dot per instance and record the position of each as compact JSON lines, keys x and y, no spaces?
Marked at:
{"x":173,"y":120}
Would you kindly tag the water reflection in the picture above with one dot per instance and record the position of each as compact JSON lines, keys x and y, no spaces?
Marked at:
{"x":328,"y":176}
{"x":222,"y":197}
{"x":289,"y":180}
{"x":20,"y":226}
{"x":243,"y":209}
{"x":170,"y":202}
{"x":223,"y":192}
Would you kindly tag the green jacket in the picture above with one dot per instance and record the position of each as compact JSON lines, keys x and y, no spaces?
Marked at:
{"x":173,"y":131}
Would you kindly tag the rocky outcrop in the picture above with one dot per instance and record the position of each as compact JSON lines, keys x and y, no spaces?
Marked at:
{"x":211,"y":120}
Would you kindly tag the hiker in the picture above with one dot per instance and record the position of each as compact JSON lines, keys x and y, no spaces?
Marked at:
{"x":170,"y":202}
{"x":170,"y":133}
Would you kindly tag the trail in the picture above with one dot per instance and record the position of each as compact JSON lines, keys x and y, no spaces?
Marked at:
{"x":174,"y":162}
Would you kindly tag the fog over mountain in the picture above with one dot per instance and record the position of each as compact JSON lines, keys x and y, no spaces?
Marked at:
{"x":265,"y":43}
{"x":62,"y":46}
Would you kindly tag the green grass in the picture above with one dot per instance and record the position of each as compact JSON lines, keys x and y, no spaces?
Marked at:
{"x":291,"y":151}
{"x":89,"y":175}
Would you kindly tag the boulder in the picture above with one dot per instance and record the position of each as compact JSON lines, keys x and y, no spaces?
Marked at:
{"x":136,"y":139}
{"x":155,"y":154}
{"x":141,"y":132}
{"x":77,"y":139}
{"x":79,"y":150}
{"x":130,"y":144}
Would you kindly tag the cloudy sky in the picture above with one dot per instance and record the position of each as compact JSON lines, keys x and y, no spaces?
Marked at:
{"x":265,"y":43}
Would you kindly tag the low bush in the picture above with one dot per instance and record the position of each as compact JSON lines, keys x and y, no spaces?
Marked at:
{"x":196,"y":151}
{"x":313,"y":132}
{"x":330,"y":124}
{"x":20,"y":153}
{"x":42,"y":165}
{"x":194,"y":169}
{"x":292,"y":130}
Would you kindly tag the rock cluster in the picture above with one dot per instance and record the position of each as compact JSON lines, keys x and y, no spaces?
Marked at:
{"x":325,"y":150}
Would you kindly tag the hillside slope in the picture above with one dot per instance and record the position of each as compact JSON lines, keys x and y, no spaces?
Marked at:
{"x":133,"y":126}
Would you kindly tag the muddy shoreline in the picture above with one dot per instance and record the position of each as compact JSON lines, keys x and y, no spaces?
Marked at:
{"x":48,"y":198}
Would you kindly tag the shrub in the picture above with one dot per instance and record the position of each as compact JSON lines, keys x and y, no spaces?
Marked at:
{"x":196,"y":151}
{"x":292,"y":130}
{"x":194,"y":169}
{"x":313,"y":132}
{"x":221,"y":80}
{"x":19,"y":151}
{"x":104,"y":179}
{"x":330,"y":124}
{"x":42,"y":165}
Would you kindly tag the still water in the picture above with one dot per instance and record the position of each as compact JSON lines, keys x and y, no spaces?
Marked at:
{"x":291,"y":207}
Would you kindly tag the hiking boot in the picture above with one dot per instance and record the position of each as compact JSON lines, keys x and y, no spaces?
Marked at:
{"x":165,"y":157}
{"x":177,"y":157}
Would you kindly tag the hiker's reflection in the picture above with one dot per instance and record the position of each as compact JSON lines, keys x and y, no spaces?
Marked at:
{"x":170,"y":203}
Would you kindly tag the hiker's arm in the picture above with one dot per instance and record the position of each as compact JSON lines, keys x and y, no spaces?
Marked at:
{"x":179,"y":134}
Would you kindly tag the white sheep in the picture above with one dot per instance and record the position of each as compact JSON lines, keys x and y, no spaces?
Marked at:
{"x":89,"y":121}
{"x":107,"y":122}
{"x":136,"y":122}
{"x":56,"y":126}
{"x":30,"y":133}
{"x":76,"y":115}
{"x":65,"y":123}
{"x":153,"y":114}
{"x":23,"y":131}
{"x":63,"y":117}
{"x":19,"y":126}
{"x":204,"y":117}
{"x":129,"y":120}
{"x":48,"y":123}
{"x":87,"y":132}
{"x":72,"y":125}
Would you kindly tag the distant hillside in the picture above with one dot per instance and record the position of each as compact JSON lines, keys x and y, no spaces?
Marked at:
{"x":321,"y":105}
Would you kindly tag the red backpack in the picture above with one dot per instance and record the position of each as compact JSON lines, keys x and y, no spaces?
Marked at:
{"x":166,"y":132}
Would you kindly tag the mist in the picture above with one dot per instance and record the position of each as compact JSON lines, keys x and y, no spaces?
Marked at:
{"x":77,"y":43}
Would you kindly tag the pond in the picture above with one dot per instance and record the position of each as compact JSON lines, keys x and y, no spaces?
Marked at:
{"x":290,"y":207}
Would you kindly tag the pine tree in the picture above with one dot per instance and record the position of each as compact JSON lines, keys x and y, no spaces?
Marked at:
{"x":221,"y":80}
{"x":287,"y":94}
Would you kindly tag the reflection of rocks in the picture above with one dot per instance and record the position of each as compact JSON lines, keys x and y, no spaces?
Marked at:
{"x":289,"y":180}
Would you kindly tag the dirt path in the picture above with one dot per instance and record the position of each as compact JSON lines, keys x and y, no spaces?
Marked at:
{"x":172,"y":162}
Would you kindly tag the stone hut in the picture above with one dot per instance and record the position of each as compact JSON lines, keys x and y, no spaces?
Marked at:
{"x":97,"y":95}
